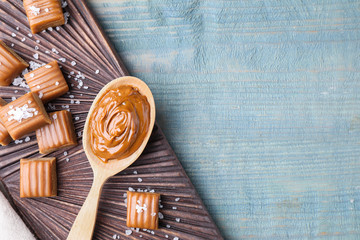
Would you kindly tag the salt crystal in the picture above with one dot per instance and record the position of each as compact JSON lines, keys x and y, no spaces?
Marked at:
{"x":30,"y":35}
{"x":114,"y":236}
{"x":47,"y":52}
{"x":36,"y":48}
{"x":65,"y":153}
{"x":41,"y":94}
{"x":135,"y":172}
{"x":13,"y":98}
{"x":50,"y":29}
{"x":168,"y":226}
{"x":57,"y":28}
{"x":71,"y":96}
{"x":140,"y":179}
{"x":125,"y":195}
{"x":128,"y":232}
{"x":152,"y":232}
{"x":79,"y":134}
{"x":55,"y":51}
{"x":54,"y":116}
{"x":16,"y":91}
{"x":140,"y":209}
{"x":72,"y":101}
{"x":73,"y":63}
{"x":36,"y":113}
{"x":23,"y":39}
{"x":20,"y":113}
{"x":27,"y":139}
{"x":177,"y":199}
{"x":177,"y":219}
{"x":131,"y":189}
{"x":152,"y":191}
{"x":32,"y":75}
{"x":13,"y":34}
{"x":56,"y":83}
{"x":161,"y":216}
{"x":34,"y":10}
{"x":153,"y":214}
{"x":77,"y":102}
{"x":29,"y":101}
{"x":47,"y":66}
{"x":167,"y":236}
{"x":64,"y":4}
{"x":38,"y":41}
{"x":12,"y":45}
{"x":17,"y":28}
{"x":62,"y":59}
{"x":176,"y":238}
{"x":38,"y":86}
{"x":67,"y":159}
{"x":18,"y":141}
{"x":174,"y":208}
{"x":36,"y":56}
{"x":86,"y":87}
{"x":46,"y":10}
{"x":97,"y":71}
{"x":34,"y":65}
{"x":66,"y":16}
{"x":77,"y":118}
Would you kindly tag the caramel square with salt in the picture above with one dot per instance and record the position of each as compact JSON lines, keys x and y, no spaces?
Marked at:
{"x":43,"y":14}
{"x":11,"y":65}
{"x":5,"y":138}
{"x":47,"y":81}
{"x":24,"y":115}
{"x":143,"y":210}
{"x":60,"y":133}
{"x":38,"y":177}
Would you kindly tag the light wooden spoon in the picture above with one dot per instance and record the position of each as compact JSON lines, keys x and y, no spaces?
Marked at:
{"x":83,"y":226}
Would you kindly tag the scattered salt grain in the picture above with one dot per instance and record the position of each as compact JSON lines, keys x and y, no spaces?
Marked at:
{"x":177,"y":219}
{"x":128,"y":232}
{"x":152,"y":191}
{"x":62,"y":59}
{"x":17,"y":28}
{"x":57,"y":28}
{"x":114,"y":236}
{"x":97,"y":71}
{"x":47,"y":52}
{"x":38,"y":41}
{"x":140,"y":179}
{"x":65,"y":153}
{"x":16,"y":91}
{"x":20,"y":113}
{"x":135,"y":172}
{"x":168,"y":226}
{"x":34,"y":10}
{"x":29,"y":101}
{"x":73,"y":63}
{"x":55,"y":117}
{"x":30,"y":35}
{"x":55,"y":51}
{"x":18,"y":141}
{"x":131,"y":189}
{"x":64,"y":4}
{"x":23,"y":39}
{"x":27,"y":139}
{"x":50,"y":29}
{"x":67,"y":159}
{"x":177,"y":199}
{"x":46,"y":10}
{"x":174,"y":208}
{"x":71,"y":96}
{"x":167,"y":236}
{"x":38,"y":86}
{"x":13,"y":34}
{"x":13,"y":98}
{"x":77,"y":118}
{"x":12,"y":45}
{"x":86,"y":87}
{"x":161,"y":216}
{"x":66,"y":16}
{"x":41,"y":94}
{"x":56,"y":83}
{"x":48,"y":66}
{"x":79,"y":134}
{"x":153,"y":214}
{"x":36,"y":48}
{"x":36,"y":56}
{"x":176,"y":238}
{"x":77,"y":102}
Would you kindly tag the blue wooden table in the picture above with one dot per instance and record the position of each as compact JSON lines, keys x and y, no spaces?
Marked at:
{"x":260,"y":101}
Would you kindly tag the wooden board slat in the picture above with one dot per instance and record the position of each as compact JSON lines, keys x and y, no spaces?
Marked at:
{"x":82,"y":41}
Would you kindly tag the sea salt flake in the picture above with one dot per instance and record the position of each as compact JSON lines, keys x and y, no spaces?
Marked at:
{"x":65,"y":153}
{"x":167,"y":236}
{"x":56,"y":83}
{"x":177,"y":219}
{"x":34,"y":65}
{"x":67,"y":159}
{"x":66,"y":16}
{"x":12,"y":45}
{"x":34,"y":10}
{"x":71,"y":96}
{"x":20,"y":113}
{"x":54,"y":116}
{"x":62,"y":59}
{"x":27,"y":139}
{"x":50,"y":29}
{"x":131,"y":189}
{"x":55,"y":51}
{"x":140,"y":179}
{"x":48,"y":66}
{"x":64,"y":4}
{"x":36,"y":56}
{"x":177,"y":199}
{"x":86,"y":87}
{"x":77,"y":102}
{"x":23,"y":39}
{"x":97,"y":71}
{"x":47,"y":52}
{"x":29,"y":101}
{"x":175,"y":238}
{"x":36,"y":48}
{"x":46,"y":10}
{"x":114,"y":236}
{"x":18,"y":141}
{"x":140,"y":209}
{"x":174,"y":208}
{"x":161,"y":216}
{"x":13,"y":98}
{"x":73,"y":63}
{"x":38,"y":41}
{"x":128,"y":232}
{"x":38,"y":86}
{"x":13,"y":34}
{"x":17,"y":28}
{"x":57,"y":28}
{"x":135,"y":172}
{"x":153,"y":214}
{"x":41,"y":95}
{"x":168,"y":226}
{"x":152,"y":191}
{"x":30,"y":35}
{"x":77,"y":118}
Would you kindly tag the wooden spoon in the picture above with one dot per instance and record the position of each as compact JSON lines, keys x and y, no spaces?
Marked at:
{"x":83,"y":226}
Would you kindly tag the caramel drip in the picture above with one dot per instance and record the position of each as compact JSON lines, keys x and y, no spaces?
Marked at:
{"x":119,"y":123}
{"x":11,"y":65}
{"x":36,"y":178}
{"x":50,"y":14}
{"x":60,"y":133}
{"x":148,"y":216}
{"x":50,"y":82}
{"x":18,"y":129}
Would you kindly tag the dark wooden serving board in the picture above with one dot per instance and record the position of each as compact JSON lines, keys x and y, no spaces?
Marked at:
{"x":83,"y":41}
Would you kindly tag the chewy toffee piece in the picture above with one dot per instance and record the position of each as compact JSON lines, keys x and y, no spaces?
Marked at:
{"x":119,"y":123}
{"x":38,"y":177}
{"x":60,"y":133}
{"x":5,"y":138}
{"x":142,"y":210}
{"x":47,"y":81}
{"x":43,"y":14}
{"x":11,"y":65}
{"x":24,"y":115}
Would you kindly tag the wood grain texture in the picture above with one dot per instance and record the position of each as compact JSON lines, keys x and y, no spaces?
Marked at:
{"x":158,"y":168}
{"x":260,"y":101}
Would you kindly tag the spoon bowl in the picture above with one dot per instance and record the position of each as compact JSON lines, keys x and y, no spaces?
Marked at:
{"x":83,"y":226}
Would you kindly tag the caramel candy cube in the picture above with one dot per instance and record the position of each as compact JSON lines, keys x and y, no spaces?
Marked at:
{"x":11,"y":65}
{"x":43,"y":14}
{"x":38,"y":177}
{"x":5,"y":138}
{"x":60,"y":133}
{"x":142,"y":210}
{"x":47,"y":81}
{"x":24,"y":115}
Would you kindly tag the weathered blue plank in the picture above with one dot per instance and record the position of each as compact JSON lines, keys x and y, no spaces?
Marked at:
{"x":260,"y":101}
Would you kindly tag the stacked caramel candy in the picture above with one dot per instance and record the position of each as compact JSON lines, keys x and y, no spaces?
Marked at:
{"x":27,"y":113}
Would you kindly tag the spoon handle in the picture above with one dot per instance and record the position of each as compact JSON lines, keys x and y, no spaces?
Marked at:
{"x":83,"y":227}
